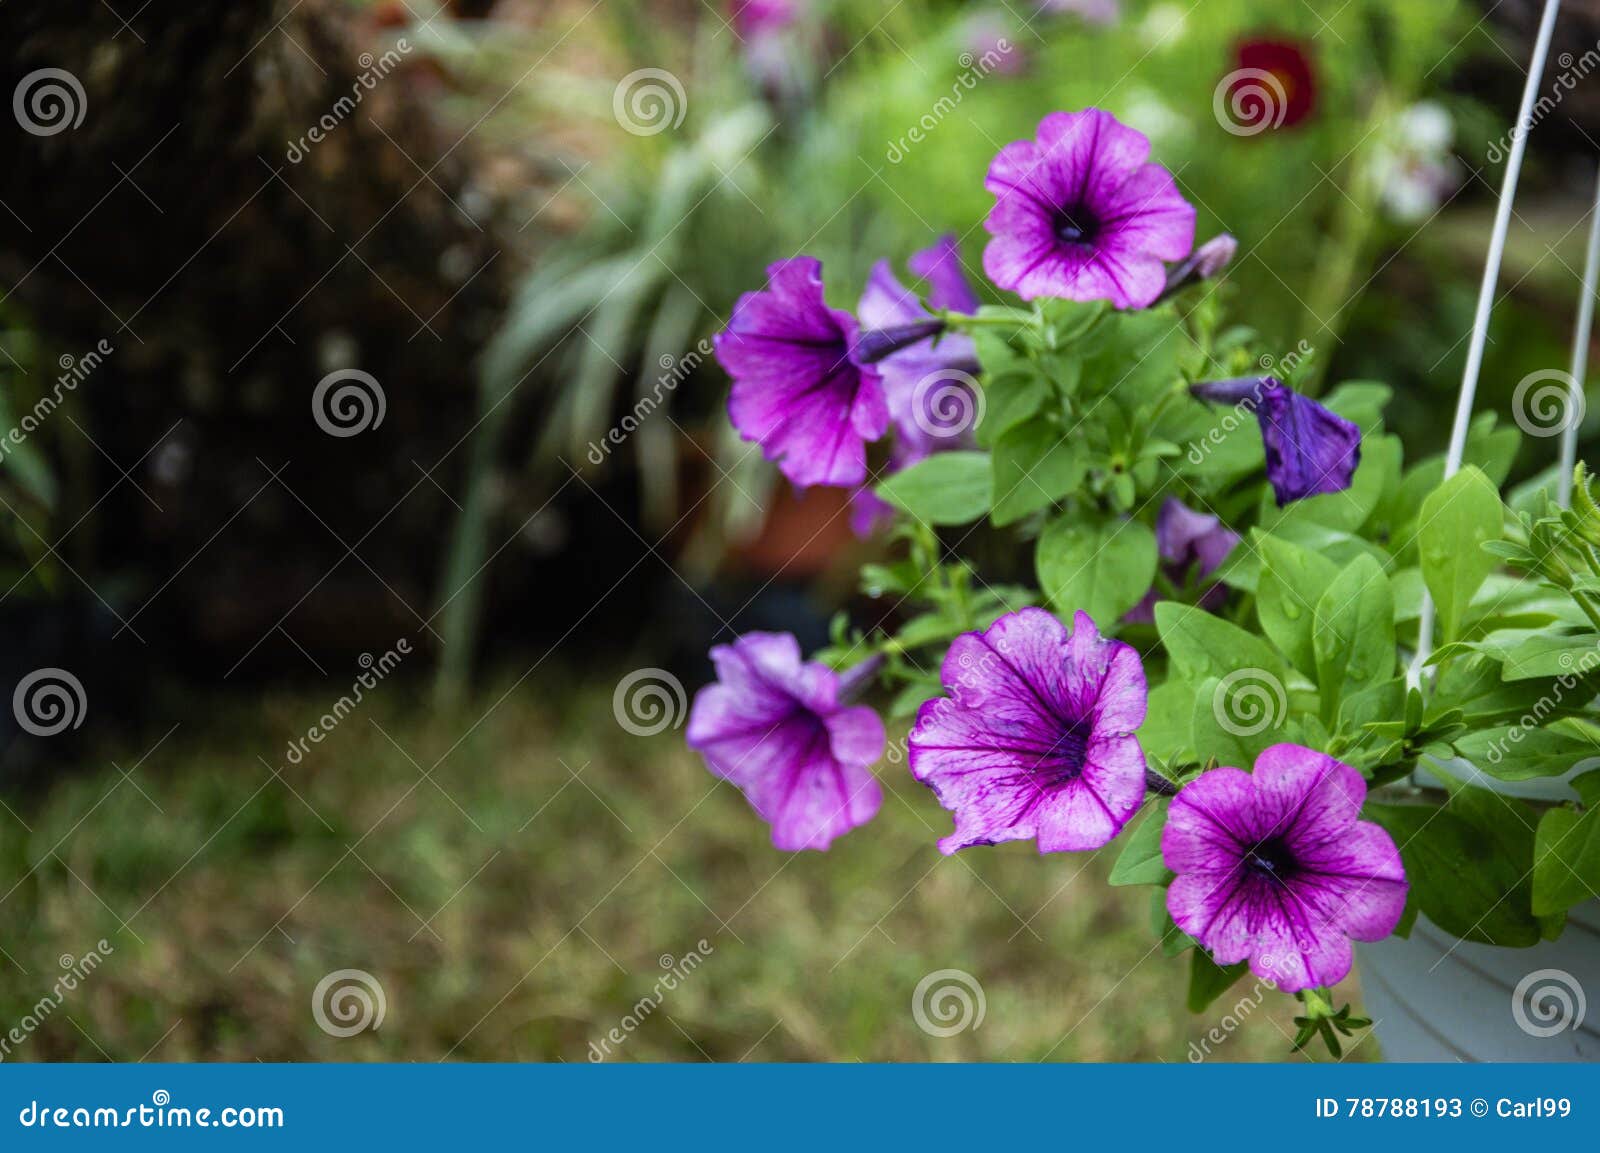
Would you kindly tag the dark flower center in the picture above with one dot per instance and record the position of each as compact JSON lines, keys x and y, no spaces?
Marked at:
{"x":1075,"y":224}
{"x":1065,"y":760}
{"x":1271,"y":858}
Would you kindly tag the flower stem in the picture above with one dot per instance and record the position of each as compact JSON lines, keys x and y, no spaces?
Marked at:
{"x":1010,"y":318}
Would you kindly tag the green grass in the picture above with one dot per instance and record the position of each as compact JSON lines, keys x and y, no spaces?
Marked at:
{"x":514,"y":874}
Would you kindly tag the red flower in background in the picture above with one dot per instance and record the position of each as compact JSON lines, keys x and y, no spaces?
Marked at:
{"x":1272,"y":85}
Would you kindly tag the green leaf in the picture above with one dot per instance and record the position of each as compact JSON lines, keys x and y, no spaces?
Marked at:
{"x":1566,"y":851}
{"x":1456,"y":520}
{"x":1165,"y":734}
{"x":1140,"y":860}
{"x":1360,"y":401}
{"x":1208,"y":980}
{"x":947,"y":488}
{"x":1474,"y":686}
{"x":1202,"y":645}
{"x":1548,"y":656}
{"x":1353,"y":637}
{"x":1461,"y":876}
{"x":1008,"y":401}
{"x":1291,"y":580}
{"x":1517,"y":752}
{"x":1234,"y":718}
{"x":1034,"y":466}
{"x":1102,"y":568}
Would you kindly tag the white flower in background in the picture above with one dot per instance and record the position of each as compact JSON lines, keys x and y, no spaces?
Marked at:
{"x":1162,"y":26}
{"x":1090,"y":11}
{"x":1415,"y":168}
{"x":1153,"y":116}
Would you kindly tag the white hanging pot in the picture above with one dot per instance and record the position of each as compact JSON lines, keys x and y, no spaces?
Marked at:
{"x":1432,"y":996}
{"x":1435,"y":997}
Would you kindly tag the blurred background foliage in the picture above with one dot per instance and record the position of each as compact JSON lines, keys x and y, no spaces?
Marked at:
{"x":521,"y":272}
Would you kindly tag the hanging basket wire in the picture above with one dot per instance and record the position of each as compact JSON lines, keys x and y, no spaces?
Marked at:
{"x":1480,"y":326}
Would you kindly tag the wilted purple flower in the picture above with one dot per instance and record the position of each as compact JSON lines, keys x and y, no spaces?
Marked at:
{"x":1202,"y":264}
{"x":798,"y":387}
{"x":1310,"y":450}
{"x":930,"y":384}
{"x":1187,"y":539}
{"x":1036,"y":737}
{"x":1274,"y":866}
{"x":1079,"y":214}
{"x":774,"y":726}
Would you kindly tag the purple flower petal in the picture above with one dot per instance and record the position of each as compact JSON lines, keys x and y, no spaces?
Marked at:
{"x":940,"y":265}
{"x":929,"y":384}
{"x":1079,"y":214}
{"x":1035,"y":740}
{"x":1187,"y":539}
{"x":1276,"y":867}
{"x":1309,"y":449}
{"x":797,"y":390}
{"x":772,"y":725}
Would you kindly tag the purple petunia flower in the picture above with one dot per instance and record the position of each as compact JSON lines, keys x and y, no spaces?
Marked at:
{"x":1187,"y":539}
{"x":774,"y":726}
{"x":799,"y":386}
{"x":930,"y":384}
{"x":1310,"y":449}
{"x":1079,"y":214}
{"x":1036,"y":737}
{"x":763,"y":17}
{"x":869,"y":512}
{"x":1274,"y":866}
